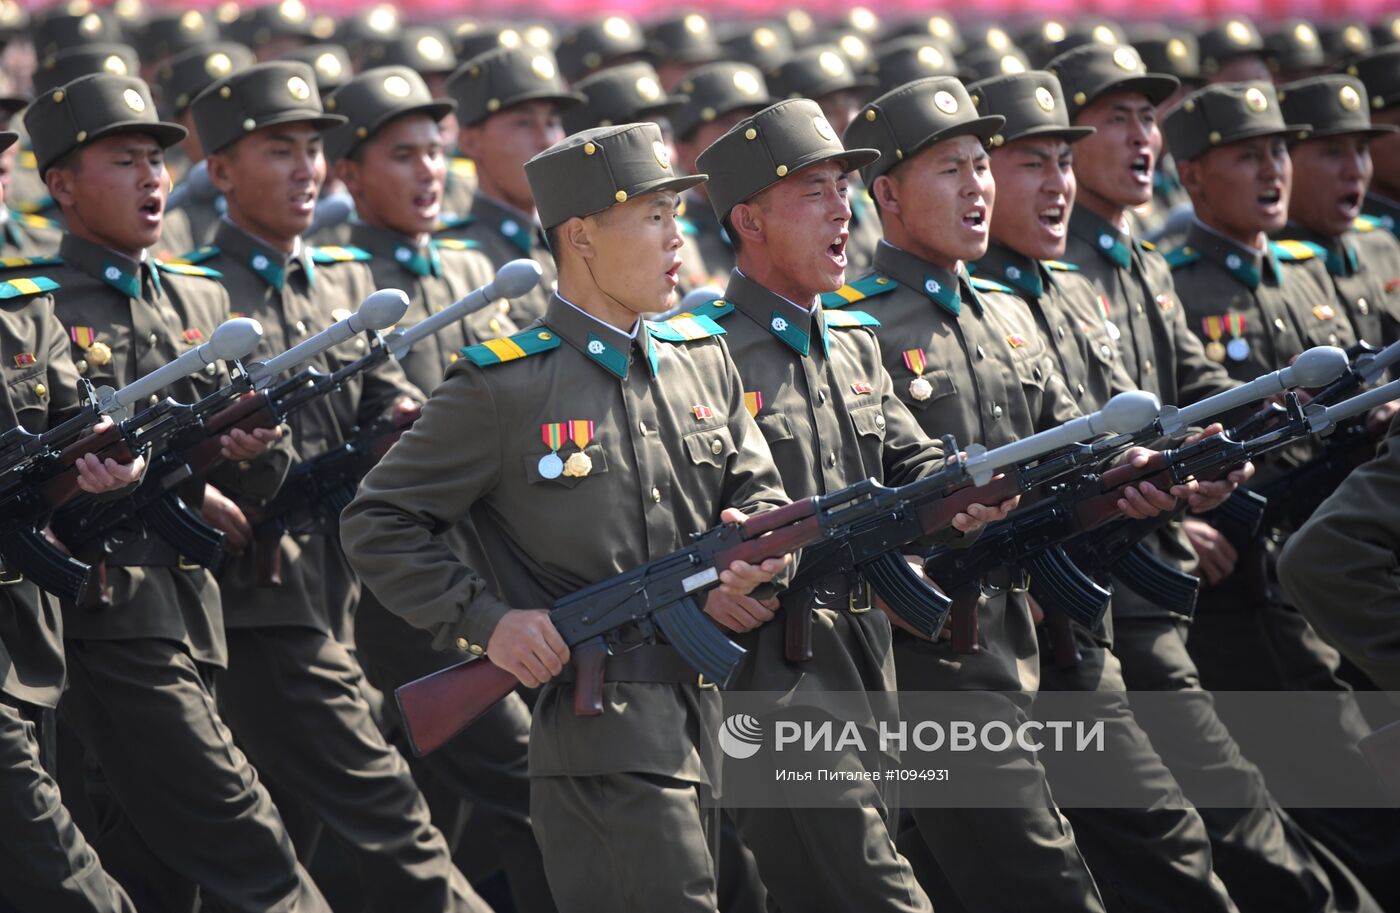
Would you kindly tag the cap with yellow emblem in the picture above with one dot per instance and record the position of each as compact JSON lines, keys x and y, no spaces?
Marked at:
{"x":190,"y":72}
{"x":426,"y":50}
{"x":69,"y":25}
{"x":1032,"y":104}
{"x":1088,"y":72}
{"x":87,"y":109}
{"x":1228,"y":39}
{"x":624,"y":94}
{"x":602,"y":42}
{"x":84,"y":60}
{"x":470,"y":38}
{"x":262,"y":25}
{"x":1226,"y":113}
{"x":372,"y":99}
{"x":14,"y":21}
{"x":496,"y":80}
{"x":761,"y":150}
{"x":169,"y":33}
{"x":912,"y":57}
{"x":1344,"y":41}
{"x":264,"y":95}
{"x":369,"y":25}
{"x":815,"y":71}
{"x":331,"y":63}
{"x":1334,"y":105}
{"x":983,"y":63}
{"x":902,"y":123}
{"x":1380,"y":72}
{"x":1173,"y":52}
{"x":599,"y":168}
{"x":1295,"y":47}
{"x":717,"y":89}
{"x":682,"y":38}
{"x":763,"y":44}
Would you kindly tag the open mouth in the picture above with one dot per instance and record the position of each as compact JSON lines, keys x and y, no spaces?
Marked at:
{"x":426,"y":200}
{"x":1052,"y":218}
{"x":1270,"y":197}
{"x":305,"y":201}
{"x":152,"y":208}
{"x":837,"y":250}
{"x":673,"y":274}
{"x":975,"y":219}
{"x":1141,"y":166}
{"x":1350,"y":204}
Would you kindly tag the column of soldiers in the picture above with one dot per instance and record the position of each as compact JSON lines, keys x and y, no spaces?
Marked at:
{"x":913,"y":229}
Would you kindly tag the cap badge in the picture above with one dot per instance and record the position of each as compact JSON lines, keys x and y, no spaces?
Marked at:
{"x":292,"y":10}
{"x":764,"y":38}
{"x":329,"y":65}
{"x":1011,"y":65}
{"x":831,"y":63}
{"x":397,"y":87}
{"x":945,"y":102}
{"x":1255,"y":101}
{"x":647,"y":89}
{"x":617,"y":27}
{"x":745,"y":82}
{"x":1176,"y":49}
{"x":115,"y":65}
{"x":823,"y":128}
{"x":1237,"y":32}
{"x":663,"y":155}
{"x":298,"y":88}
{"x":1304,"y":34}
{"x":218,"y":65}
{"x":1126,"y":58}
{"x":192,"y":21}
{"x":134,"y":101}
{"x":1044,"y":99}
{"x":1350,"y":98}
{"x":543,"y":67}
{"x":931,"y":57}
{"x":695,"y":24}
{"x":431,"y":48}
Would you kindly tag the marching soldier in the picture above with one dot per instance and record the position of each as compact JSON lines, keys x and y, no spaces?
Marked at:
{"x":1331,"y":171}
{"x":21,"y":234}
{"x":1232,"y":50}
{"x":46,"y":863}
{"x":192,"y":814}
{"x":1380,"y":73}
{"x":589,"y":413}
{"x":508,"y":104}
{"x":291,"y":645}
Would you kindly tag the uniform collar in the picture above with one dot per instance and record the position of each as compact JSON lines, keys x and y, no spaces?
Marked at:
{"x":607,"y":347}
{"x":789,"y":322}
{"x":1113,"y":244}
{"x":947,"y":290}
{"x":510,"y":223}
{"x":1248,"y":265}
{"x":1002,"y":264}
{"x":272,"y":266}
{"x":1339,"y":249}
{"x":1384,"y":210}
{"x":387,"y":244}
{"x":130,"y":277}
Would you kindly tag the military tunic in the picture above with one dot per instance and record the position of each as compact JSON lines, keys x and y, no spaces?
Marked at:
{"x":503,"y":234}
{"x":661,"y":468}
{"x":1385,"y":211}
{"x":25,"y":235}
{"x":1364,"y":268}
{"x":826,"y":406}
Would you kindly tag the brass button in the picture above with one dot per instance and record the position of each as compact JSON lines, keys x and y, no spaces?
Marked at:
{"x":996,"y":412}
{"x":831,"y":460}
{"x":880,"y":422}
{"x":477,"y":649}
{"x":463,"y":644}
{"x":656,"y":495}
{"x":716,"y":446}
{"x":1332,"y":340}
{"x":301,"y":328}
{"x":152,"y":339}
{"x":821,"y":397}
{"x":980,"y":353}
{"x":154,"y":399}
{"x":1079,"y":388}
{"x":1139,"y":307}
{"x":1278,"y":324}
{"x":1105,"y":351}
{"x":41,"y":390}
{"x":1147,"y":365}
{"x":1060,"y":331}
{"x":81,"y":365}
{"x":642,"y":426}
{"x":1363,"y":306}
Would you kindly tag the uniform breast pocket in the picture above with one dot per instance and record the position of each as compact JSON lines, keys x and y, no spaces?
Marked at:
{"x":710,"y":447}
{"x":568,"y":467}
{"x":936,"y":385}
{"x":1030,"y":369}
{"x":869,"y":422}
{"x":29,"y":396}
{"x":775,"y":427}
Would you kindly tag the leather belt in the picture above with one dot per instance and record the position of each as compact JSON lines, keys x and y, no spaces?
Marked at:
{"x":844,"y":592}
{"x":650,"y":663}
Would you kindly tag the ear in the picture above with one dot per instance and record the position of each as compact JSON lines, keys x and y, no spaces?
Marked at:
{"x":347,"y":171}
{"x":747,"y":221}
{"x":886,"y":193}
{"x":1190,"y":175}
{"x":220,"y":172}
{"x":577,"y":236}
{"x":60,"y":184}
{"x":469,"y":141}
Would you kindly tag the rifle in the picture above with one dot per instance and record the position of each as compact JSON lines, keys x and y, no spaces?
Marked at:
{"x":38,"y":474}
{"x":186,"y":440}
{"x":1032,"y":537}
{"x":661,"y":596}
{"x":325,"y":484}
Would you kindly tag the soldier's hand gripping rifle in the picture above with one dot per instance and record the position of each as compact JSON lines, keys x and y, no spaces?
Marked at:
{"x":184,"y":440}
{"x":323,"y":485}
{"x":38,"y":472}
{"x":662,"y":597}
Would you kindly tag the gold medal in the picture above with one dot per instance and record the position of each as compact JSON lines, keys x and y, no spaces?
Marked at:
{"x":98,"y":354}
{"x":1215,"y":350}
{"x":578,"y":465}
{"x":920,"y":388}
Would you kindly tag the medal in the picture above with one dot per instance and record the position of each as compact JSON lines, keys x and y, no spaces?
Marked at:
{"x":1238,"y":346}
{"x":1215,"y":350}
{"x":98,"y":354}
{"x":920,"y":388}
{"x":1109,"y":326}
{"x":578,"y":466}
{"x":916,"y":361}
{"x":1238,"y":349}
{"x":551,"y":467}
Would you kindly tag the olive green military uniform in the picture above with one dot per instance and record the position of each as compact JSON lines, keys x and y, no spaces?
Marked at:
{"x":24,"y":235}
{"x":487,"y":764}
{"x":503,"y":233}
{"x":45,"y":861}
{"x":1265,"y":307}
{"x":1173,"y":52}
{"x":291,"y":646}
{"x":822,"y":399}
{"x":657,"y":465}
{"x":192,"y":813}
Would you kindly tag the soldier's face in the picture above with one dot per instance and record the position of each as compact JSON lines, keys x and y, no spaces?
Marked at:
{"x":271,"y":178}
{"x":1241,"y":189}
{"x":802,"y":222}
{"x":502,"y":144}
{"x":636,"y":251}
{"x":1114,"y":166}
{"x":115,"y":196}
{"x":841,"y":108}
{"x":1331,"y":174}
{"x":942,"y":201}
{"x":397,"y":182}
{"x":1035,"y":180}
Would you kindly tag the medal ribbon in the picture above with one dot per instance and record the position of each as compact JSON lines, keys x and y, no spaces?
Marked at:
{"x":580,"y":432}
{"x":915,"y":360}
{"x":82,"y":336}
{"x":553,"y":434}
{"x":1103,"y":303}
{"x":753,"y":402}
{"x":1235,"y":323}
{"x":1213,"y":327}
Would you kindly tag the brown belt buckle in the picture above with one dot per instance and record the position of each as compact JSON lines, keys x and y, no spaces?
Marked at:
{"x":863,"y":591}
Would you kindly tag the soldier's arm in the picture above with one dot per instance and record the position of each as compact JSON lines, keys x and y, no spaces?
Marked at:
{"x":63,"y":378}
{"x":392,"y":531}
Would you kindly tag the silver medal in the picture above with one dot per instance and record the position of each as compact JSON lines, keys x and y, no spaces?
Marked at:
{"x":1237,"y":349}
{"x":551,"y":467}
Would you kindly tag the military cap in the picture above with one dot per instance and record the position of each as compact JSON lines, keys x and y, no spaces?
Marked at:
{"x":1088,"y":72}
{"x":983,"y":63}
{"x":169,"y":33}
{"x":498,"y":79}
{"x":1234,"y":37}
{"x":372,"y":99}
{"x":989,"y":36}
{"x":426,"y":50}
{"x":261,"y":25}
{"x":1174,"y":53}
{"x":89,"y":108}
{"x":7,"y":139}
{"x":1033,"y":104}
{"x":902,"y":60}
{"x":717,"y":89}
{"x":263,"y":95}
{"x":599,"y":168}
{"x":376,"y":23}
{"x":1380,"y":72}
{"x":682,"y":38}
{"x":939,"y":27}
{"x":330,"y":62}
{"x":863,"y":21}
{"x":625,"y":94}
{"x":813,"y":72}
{"x":68,"y":26}
{"x":470,"y":38}
{"x":800,"y":26}
{"x":763,"y":45}
{"x":1386,"y":31}
{"x":84,"y":60}
{"x":1341,"y":41}
{"x":190,"y":72}
{"x":1334,"y":105}
{"x":597,"y":44}
{"x":761,"y":150}
{"x":1226,"y":113}
{"x":13,"y":20}
{"x":1294,"y":46}
{"x":857,"y":51}
{"x":1055,"y":38}
{"x":11,"y":105}
{"x":903,"y":122}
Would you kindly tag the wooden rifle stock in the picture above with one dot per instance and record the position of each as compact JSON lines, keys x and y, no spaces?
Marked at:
{"x":63,"y":487}
{"x":248,"y":413}
{"x":436,"y":707}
